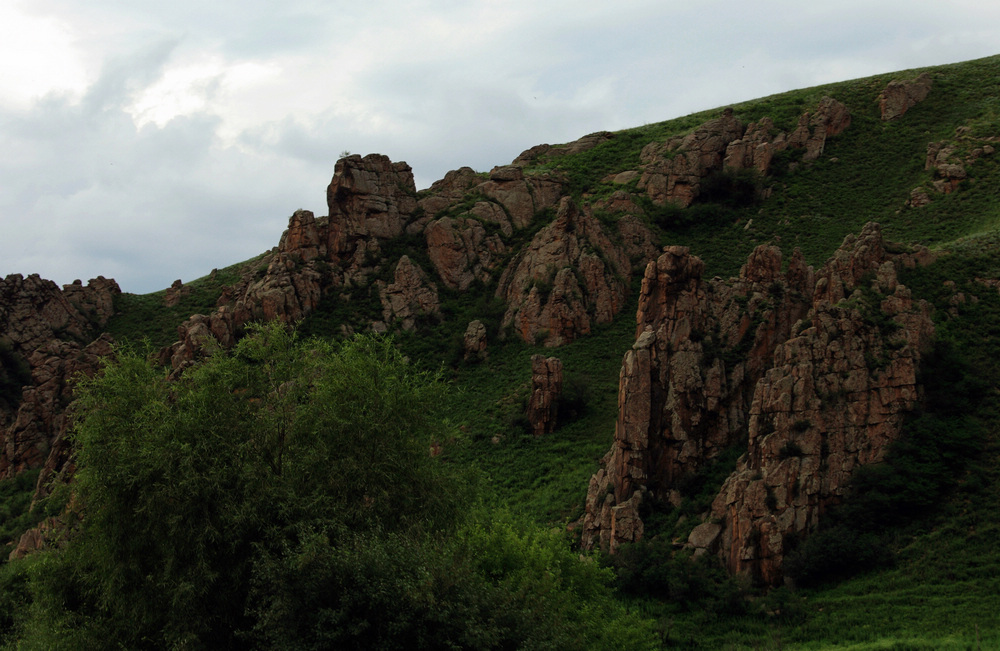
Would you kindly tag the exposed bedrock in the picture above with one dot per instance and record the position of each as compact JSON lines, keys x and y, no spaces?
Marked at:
{"x":812,"y":371}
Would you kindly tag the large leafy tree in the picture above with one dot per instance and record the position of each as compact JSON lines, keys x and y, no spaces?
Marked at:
{"x":282,"y":495}
{"x":186,"y":484}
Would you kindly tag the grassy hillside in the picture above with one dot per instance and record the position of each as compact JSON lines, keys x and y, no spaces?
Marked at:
{"x":942,"y":589}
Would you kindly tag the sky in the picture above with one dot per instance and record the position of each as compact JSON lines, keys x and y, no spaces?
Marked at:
{"x":152,"y":141}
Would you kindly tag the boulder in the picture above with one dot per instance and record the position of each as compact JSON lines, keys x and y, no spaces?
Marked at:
{"x":409,"y":296}
{"x":474,"y":342}
{"x":900,"y":96}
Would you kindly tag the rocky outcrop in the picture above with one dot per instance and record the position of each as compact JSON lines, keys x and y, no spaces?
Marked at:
{"x":685,"y":387}
{"x":177,"y":291}
{"x":409,"y":296}
{"x":546,"y":388}
{"x":571,"y":275}
{"x":521,"y":197}
{"x":950,"y":160}
{"x":543,"y":152}
{"x":53,"y":332}
{"x":831,"y":118}
{"x":474,"y":344}
{"x":34,"y":311}
{"x":898,"y":97}
{"x":368,"y":197}
{"x":834,"y":400}
{"x":461,"y":250}
{"x":673,"y":170}
{"x":37,"y":437}
{"x":815,"y":371}
{"x":371,"y":199}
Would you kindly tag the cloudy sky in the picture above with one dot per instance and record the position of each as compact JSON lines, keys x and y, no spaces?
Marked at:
{"x":149,"y":141}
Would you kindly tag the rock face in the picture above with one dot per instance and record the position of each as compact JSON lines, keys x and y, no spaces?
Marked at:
{"x":571,"y":275}
{"x":673,"y":170}
{"x":461,"y":250}
{"x":814,"y":370}
{"x":546,"y":388}
{"x":409,"y":296}
{"x":371,"y":199}
{"x":900,"y":96}
{"x":55,"y":332}
{"x":368,"y":197}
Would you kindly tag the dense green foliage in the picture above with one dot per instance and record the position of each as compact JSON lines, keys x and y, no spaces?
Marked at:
{"x":282,"y":496}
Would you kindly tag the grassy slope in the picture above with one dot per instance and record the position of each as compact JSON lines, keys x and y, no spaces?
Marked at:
{"x":943,"y":591}
{"x":945,"y":584}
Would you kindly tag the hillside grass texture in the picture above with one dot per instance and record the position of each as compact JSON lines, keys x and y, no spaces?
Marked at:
{"x":943,"y":590}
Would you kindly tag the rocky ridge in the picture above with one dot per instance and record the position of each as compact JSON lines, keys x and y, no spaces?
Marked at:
{"x":56,"y":332}
{"x":561,"y":265}
{"x":673,"y":170}
{"x":811,"y":372}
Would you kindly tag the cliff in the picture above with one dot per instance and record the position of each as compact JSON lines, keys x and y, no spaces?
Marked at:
{"x":812,"y":373}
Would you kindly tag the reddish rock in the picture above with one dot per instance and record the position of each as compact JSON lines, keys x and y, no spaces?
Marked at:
{"x":674,"y":169}
{"x":546,"y":388}
{"x":570,"y":274}
{"x":900,"y":96}
{"x":173,"y":295}
{"x":368,"y":197}
{"x":49,"y":329}
{"x":950,"y":160}
{"x":782,"y":358}
{"x":830,"y":119}
{"x":461,"y":251}
{"x":409,"y":296}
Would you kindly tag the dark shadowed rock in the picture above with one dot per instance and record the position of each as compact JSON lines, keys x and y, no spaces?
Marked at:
{"x":546,"y":388}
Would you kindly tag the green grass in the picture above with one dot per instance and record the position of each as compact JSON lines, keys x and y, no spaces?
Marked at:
{"x":547,"y":476}
{"x":15,"y":501}
{"x":140,"y":317}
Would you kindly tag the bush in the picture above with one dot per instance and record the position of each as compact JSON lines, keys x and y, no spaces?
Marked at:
{"x":732,"y":188}
{"x":282,"y":496}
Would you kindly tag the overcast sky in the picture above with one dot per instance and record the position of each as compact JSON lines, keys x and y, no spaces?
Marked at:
{"x":149,"y":141}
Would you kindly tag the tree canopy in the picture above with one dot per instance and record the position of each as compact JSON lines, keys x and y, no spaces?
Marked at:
{"x":282,"y":495}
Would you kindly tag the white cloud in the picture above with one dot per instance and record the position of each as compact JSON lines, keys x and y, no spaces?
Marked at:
{"x":149,"y":140}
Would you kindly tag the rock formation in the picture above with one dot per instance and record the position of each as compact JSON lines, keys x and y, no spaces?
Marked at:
{"x":461,"y":250}
{"x":55,"y":332}
{"x":370,"y":200}
{"x":570,"y":274}
{"x":812,"y":372}
{"x":474,"y":342}
{"x":368,"y":197}
{"x":898,"y":97}
{"x":673,"y":170}
{"x":546,"y":388}
{"x":409,"y":296}
{"x":950,"y":159}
